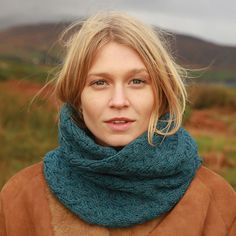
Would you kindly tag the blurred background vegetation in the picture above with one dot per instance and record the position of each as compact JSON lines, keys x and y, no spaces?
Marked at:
{"x":28,"y":55}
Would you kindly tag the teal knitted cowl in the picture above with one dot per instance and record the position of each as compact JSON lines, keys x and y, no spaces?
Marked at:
{"x":119,"y":188}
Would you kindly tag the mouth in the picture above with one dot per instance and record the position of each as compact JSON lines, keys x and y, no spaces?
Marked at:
{"x":119,"y":123}
{"x":119,"y":120}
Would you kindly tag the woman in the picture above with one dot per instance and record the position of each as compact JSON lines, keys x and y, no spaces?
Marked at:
{"x":124,"y":166}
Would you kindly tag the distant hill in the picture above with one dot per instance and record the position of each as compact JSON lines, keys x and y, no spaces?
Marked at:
{"x":37,"y":44}
{"x":194,"y":51}
{"x":32,"y":43}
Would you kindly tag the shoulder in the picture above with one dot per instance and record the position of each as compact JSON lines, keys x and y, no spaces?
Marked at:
{"x":221,"y":194}
{"x":24,"y":208}
{"x":24,"y":179}
{"x":216,"y":184}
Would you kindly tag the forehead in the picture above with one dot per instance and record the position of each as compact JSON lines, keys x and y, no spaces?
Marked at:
{"x":116,"y":57}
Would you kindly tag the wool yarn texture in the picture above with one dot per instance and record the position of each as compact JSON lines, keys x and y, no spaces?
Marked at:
{"x":119,"y":187}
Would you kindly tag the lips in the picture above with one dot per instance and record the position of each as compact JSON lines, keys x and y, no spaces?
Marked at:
{"x":119,"y":119}
{"x":119,"y":123}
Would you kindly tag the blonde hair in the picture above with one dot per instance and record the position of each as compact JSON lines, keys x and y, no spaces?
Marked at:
{"x":98,"y":30}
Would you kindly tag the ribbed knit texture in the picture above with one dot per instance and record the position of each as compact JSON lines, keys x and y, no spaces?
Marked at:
{"x":119,"y":188}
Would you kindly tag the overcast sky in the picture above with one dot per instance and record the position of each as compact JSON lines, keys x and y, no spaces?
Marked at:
{"x":213,"y":20}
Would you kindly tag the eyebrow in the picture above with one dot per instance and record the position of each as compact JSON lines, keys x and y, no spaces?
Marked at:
{"x":129,"y":73}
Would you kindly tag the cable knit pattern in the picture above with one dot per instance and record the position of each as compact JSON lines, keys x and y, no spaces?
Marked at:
{"x":119,"y":188}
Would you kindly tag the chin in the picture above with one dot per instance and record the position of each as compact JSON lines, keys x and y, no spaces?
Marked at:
{"x":116,"y":141}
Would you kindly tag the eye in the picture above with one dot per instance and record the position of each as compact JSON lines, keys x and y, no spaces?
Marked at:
{"x":137,"y":81}
{"x":99,"y":83}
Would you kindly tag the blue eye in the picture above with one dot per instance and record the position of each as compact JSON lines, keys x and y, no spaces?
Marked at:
{"x":99,"y":83}
{"x":137,"y":81}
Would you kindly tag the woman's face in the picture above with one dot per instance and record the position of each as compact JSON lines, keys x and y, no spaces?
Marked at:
{"x":117,"y":100}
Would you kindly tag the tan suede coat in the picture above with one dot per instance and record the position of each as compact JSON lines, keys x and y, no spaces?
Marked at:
{"x":29,"y":209}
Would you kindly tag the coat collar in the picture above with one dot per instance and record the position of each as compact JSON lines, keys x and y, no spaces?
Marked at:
{"x":190,"y":213}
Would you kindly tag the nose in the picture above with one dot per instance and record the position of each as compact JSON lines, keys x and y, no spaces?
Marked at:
{"x":119,"y":98}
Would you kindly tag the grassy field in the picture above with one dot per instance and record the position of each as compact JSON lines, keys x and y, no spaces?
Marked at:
{"x":214,"y":76}
{"x":215,"y":132}
{"x":27,"y":133}
{"x":15,"y":68}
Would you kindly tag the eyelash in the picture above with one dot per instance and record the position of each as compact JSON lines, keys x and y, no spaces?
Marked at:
{"x":98,"y":81}
{"x":139,"y":80}
{"x":103,"y":83}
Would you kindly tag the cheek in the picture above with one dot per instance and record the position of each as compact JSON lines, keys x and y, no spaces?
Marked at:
{"x":145,"y":103}
{"x":86,"y":106}
{"x":92,"y":106}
